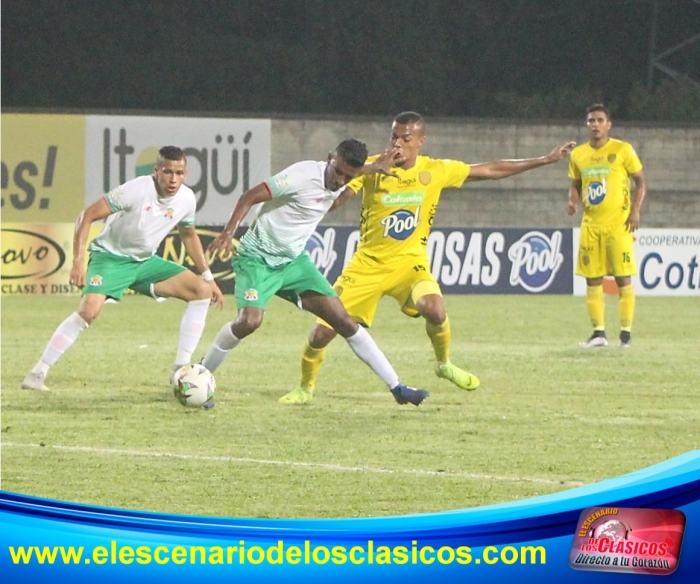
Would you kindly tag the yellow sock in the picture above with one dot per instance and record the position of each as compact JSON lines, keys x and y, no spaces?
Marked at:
{"x":596,"y":307}
{"x":441,"y":338}
{"x":626,"y":307}
{"x":311,"y":361}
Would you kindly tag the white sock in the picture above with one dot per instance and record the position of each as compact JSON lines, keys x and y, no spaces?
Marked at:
{"x":223,"y":344}
{"x":191,"y":329}
{"x":63,"y":337}
{"x":366,"y":349}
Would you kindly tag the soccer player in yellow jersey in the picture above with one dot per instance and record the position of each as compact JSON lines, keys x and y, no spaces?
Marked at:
{"x":600,"y":174}
{"x":391,"y":259}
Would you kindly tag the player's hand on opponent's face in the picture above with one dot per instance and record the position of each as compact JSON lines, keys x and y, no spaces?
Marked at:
{"x":77,"y":275}
{"x":217,"y":297}
{"x":385,"y":161}
{"x":561,"y":151}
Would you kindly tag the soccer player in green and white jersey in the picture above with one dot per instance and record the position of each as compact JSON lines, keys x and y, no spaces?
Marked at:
{"x":140,"y":214}
{"x":271,"y":257}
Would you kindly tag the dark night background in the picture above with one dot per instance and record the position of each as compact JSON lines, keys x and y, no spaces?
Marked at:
{"x":476,"y":58}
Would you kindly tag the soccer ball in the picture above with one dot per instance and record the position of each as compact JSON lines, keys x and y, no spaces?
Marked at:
{"x":194,"y":386}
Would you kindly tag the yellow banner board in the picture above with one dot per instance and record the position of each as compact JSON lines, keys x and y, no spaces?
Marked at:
{"x":37,"y":257}
{"x":43,"y":167}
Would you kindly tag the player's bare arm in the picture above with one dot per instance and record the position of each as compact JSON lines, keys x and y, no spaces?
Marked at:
{"x":504,"y":168}
{"x":344,"y":197}
{"x":193,"y":246}
{"x":574,"y":196}
{"x":95,"y":212}
{"x":640,"y":193}
{"x":224,"y":242}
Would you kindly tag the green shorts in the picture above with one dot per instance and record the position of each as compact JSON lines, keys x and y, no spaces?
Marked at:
{"x":111,"y":274}
{"x":257,"y":283}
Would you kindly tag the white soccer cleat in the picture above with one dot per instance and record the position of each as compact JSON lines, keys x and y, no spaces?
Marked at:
{"x":594,"y":341}
{"x":35,"y":381}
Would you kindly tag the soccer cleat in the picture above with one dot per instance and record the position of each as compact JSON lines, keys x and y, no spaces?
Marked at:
{"x":35,"y":381}
{"x":625,"y":340}
{"x":173,"y":381}
{"x":598,"y":339}
{"x":407,"y":395}
{"x":461,"y":378}
{"x":297,"y":396}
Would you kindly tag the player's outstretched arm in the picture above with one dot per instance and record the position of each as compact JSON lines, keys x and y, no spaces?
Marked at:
{"x":224,"y":242}
{"x":504,"y":168}
{"x":95,"y":212}
{"x":193,"y":246}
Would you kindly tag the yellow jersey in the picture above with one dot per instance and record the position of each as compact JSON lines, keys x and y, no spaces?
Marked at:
{"x":397,"y":213}
{"x":605,"y":180}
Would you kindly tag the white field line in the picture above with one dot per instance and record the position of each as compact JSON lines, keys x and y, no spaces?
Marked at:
{"x":292,"y":463}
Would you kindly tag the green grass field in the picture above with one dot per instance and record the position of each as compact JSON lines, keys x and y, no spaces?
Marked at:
{"x":548,"y":417}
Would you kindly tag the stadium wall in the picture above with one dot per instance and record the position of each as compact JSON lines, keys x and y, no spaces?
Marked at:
{"x":671,"y":157}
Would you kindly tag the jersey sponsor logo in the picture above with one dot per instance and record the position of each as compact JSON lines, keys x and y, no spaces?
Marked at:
{"x":401,"y":224}
{"x":251,"y":295}
{"x":535,"y":260}
{"x":321,"y":250}
{"x":595,"y":171}
{"x":403,"y":199}
{"x":96,"y":281}
{"x":595,"y":192}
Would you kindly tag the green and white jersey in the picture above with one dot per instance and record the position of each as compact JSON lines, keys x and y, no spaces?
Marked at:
{"x":286,"y":222}
{"x":141,"y":219}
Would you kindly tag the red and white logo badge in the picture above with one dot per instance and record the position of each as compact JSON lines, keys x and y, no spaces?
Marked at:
{"x":634,"y":541}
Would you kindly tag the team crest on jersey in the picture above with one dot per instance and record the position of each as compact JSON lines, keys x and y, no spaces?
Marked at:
{"x":169,"y":213}
{"x":611,"y":158}
{"x":96,"y":281}
{"x":425,"y":177}
{"x":251,"y":295}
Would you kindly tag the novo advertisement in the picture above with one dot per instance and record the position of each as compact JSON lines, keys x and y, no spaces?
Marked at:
{"x":43,"y":167}
{"x":668,"y":263}
{"x":36,"y":258}
{"x":472,"y":261}
{"x":225,"y":157}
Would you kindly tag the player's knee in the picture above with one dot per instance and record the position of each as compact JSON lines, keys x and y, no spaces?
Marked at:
{"x":321,"y":336}
{"x":344,"y":325}
{"x":88,"y":313}
{"x":432,"y":309}
{"x":202,"y":290}
{"x":247,"y":322}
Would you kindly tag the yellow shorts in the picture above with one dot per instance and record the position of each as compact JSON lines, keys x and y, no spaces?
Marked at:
{"x":364,"y":282}
{"x":605,"y":250}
